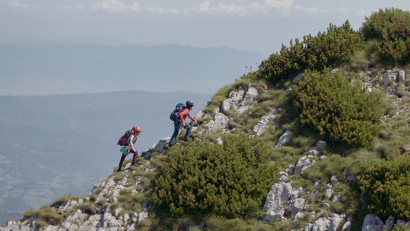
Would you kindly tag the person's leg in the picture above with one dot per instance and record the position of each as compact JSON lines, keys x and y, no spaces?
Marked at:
{"x":188,"y":131}
{"x":174,"y":135}
{"x":134,"y":158}
{"x":121,"y":161}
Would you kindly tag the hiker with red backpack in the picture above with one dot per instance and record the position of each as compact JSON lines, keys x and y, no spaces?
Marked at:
{"x":178,"y":116}
{"x":127,"y":142}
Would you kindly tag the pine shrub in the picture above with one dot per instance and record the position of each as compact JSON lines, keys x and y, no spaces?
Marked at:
{"x":231,"y":180}
{"x":326,"y":49}
{"x":344,"y":112}
{"x":332,"y":48}
{"x":387,"y":186}
{"x":391,"y":29}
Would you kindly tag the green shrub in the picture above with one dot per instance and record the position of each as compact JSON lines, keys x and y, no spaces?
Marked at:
{"x":327,"y":49}
{"x":391,"y":28}
{"x":231,"y":180}
{"x":332,"y":48}
{"x":344,"y":112}
{"x":387,"y":186}
{"x":289,"y":61}
{"x":215,"y":223}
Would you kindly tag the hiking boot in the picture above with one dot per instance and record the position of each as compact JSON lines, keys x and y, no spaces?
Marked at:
{"x":119,"y":170}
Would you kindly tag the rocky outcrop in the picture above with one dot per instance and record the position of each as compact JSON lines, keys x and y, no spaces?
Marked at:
{"x":273,"y":206}
{"x":388,"y":79}
{"x":239,"y":101}
{"x":262,"y":124}
{"x":219,"y":121}
{"x":372,"y":223}
{"x":308,"y":160}
{"x":326,"y":223}
{"x":160,"y":146}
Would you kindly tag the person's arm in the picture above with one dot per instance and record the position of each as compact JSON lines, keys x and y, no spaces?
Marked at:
{"x":182,"y":115}
{"x":192,"y":118}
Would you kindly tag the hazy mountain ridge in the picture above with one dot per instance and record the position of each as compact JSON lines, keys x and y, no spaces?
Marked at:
{"x":96,"y":68}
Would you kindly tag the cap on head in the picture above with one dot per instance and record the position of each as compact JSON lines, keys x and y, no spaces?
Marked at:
{"x":136,"y":129}
{"x":189,"y":104}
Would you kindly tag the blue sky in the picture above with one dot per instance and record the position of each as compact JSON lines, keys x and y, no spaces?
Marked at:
{"x":247,"y":25}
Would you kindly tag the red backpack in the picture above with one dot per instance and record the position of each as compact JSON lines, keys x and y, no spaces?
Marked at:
{"x":124,"y":137}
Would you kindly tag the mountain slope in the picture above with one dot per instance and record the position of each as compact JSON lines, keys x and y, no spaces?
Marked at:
{"x":316,"y":139}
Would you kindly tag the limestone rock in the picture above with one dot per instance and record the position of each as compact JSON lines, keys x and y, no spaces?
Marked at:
{"x":321,"y":224}
{"x":401,"y":76}
{"x":321,"y":144}
{"x":262,"y":125}
{"x":285,"y":138}
{"x":389,"y":223}
{"x":160,"y":146}
{"x":220,"y":121}
{"x":279,"y":193}
{"x":372,"y":223}
{"x":296,"y":205}
{"x":303,"y":163}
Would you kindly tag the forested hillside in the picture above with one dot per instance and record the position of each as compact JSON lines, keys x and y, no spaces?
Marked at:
{"x":318,"y":138}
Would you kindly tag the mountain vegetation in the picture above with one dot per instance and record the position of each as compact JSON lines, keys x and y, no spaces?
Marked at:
{"x":333,"y":152}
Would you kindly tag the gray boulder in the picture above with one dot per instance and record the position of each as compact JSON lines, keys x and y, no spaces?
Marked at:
{"x":296,"y":205}
{"x":401,"y":76}
{"x":279,"y":193}
{"x":220,"y":121}
{"x":321,"y":144}
{"x":388,"y":77}
{"x":251,"y":94}
{"x":284,"y":139}
{"x":321,"y":224}
{"x":389,"y":223}
{"x":160,"y":146}
{"x":303,"y":163}
{"x":372,"y":223}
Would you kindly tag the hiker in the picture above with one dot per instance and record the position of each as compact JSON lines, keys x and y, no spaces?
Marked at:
{"x":128,"y":145}
{"x":179,"y":122}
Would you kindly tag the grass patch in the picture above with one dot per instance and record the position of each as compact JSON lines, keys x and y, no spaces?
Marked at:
{"x":221,"y":223}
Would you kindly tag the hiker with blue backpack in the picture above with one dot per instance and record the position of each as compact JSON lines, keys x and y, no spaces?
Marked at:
{"x":179,"y":115}
{"x":127,"y":142}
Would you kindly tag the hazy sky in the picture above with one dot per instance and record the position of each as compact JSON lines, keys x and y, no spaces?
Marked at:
{"x":259,"y":25}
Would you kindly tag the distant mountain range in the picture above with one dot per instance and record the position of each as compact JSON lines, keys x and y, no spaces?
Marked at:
{"x":60,"y":144}
{"x":79,"y":68}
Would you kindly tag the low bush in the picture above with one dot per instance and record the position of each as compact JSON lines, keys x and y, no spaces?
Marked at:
{"x":231,"y":180}
{"x":330,"y":104}
{"x":387,"y":186}
{"x":326,"y":49}
{"x":391,"y":29}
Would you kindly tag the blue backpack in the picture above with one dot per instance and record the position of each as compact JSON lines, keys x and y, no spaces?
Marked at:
{"x":175,"y":113}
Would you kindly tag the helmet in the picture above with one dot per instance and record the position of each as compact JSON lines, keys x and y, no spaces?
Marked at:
{"x":136,"y":129}
{"x":189,"y":103}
